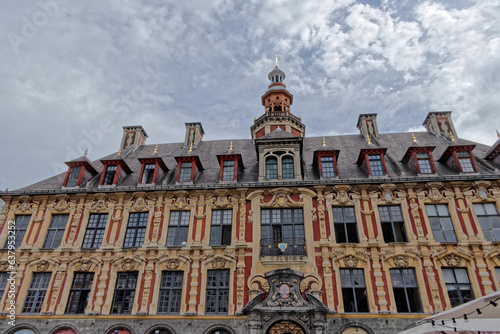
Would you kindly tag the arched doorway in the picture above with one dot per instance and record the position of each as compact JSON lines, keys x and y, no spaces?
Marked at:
{"x":285,"y":327}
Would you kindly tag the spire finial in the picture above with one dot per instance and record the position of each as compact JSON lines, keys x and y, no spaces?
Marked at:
{"x":277,"y":62}
{"x":414,"y":139}
{"x":498,"y":134}
{"x":231,"y":146}
{"x":120,"y":151}
{"x":368,"y":139}
{"x":324,"y":144}
{"x":87,"y":149}
{"x":156,"y":149}
{"x":452,"y":136}
{"x":191,"y":147}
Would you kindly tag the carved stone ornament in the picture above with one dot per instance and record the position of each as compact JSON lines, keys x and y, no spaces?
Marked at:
{"x":172,"y":264}
{"x":221,"y":196}
{"x":99,"y":206}
{"x":341,"y":194}
{"x":434,"y":193}
{"x":482,"y":189}
{"x":85,"y":265}
{"x":128,"y":264}
{"x":218,"y":263}
{"x":43,"y":265}
{"x":401,"y":261}
{"x":4,"y":265}
{"x":452,"y":260}
{"x":180,"y":203}
{"x":350,"y":261}
{"x":387,"y":191}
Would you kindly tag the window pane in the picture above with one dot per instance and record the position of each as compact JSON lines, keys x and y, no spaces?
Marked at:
{"x":354,"y":292}
{"x":178,"y":228}
{"x":55,"y":231}
{"x":287,"y":166}
{"x":376,"y":166}
{"x":441,"y":224}
{"x":123,"y":298}
{"x":283,"y":227}
{"x":271,"y":168}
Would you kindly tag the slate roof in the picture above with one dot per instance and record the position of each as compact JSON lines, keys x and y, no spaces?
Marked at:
{"x":349,"y":146}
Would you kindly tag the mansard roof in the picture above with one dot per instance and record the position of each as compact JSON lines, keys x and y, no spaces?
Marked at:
{"x":349,"y":147}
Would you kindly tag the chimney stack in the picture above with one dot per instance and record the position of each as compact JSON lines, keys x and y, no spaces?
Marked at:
{"x":440,"y":123}
{"x":133,"y":137}
{"x":194,"y":133}
{"x":367,"y":125}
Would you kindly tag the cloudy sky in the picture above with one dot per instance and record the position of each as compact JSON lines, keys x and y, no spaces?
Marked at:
{"x":74,"y":72}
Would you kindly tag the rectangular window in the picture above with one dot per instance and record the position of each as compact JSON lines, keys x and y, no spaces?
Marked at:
{"x":36,"y":293}
{"x":465,"y":162}
{"x":228,"y":170}
{"x":376,"y":167}
{"x":393,"y":226}
{"x":354,"y":290}
{"x":148,"y":173}
{"x":170,"y":292}
{"x":185,"y":173}
{"x":79,"y":293}
{"x":424,"y":163}
{"x":405,"y":287}
{"x":3,"y":282}
{"x":271,"y":168}
{"x":55,"y":232}
{"x":282,"y":232}
{"x":489,"y":220}
{"x":327,"y":167}
{"x":287,"y":167}
{"x":95,"y":230}
{"x":220,"y":230}
{"x":440,"y":221}
{"x":344,"y":221}
{"x":178,"y":228}
{"x":110,"y":175}
{"x":73,"y":176}
{"x":21,"y":225}
{"x":458,"y":285}
{"x":123,"y":299}
{"x":136,"y":229}
{"x":217,"y":291}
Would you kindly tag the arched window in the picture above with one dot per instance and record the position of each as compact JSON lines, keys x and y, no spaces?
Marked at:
{"x":271,"y":168}
{"x":287,"y":167}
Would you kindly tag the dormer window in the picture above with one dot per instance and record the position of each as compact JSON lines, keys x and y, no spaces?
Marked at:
{"x":280,"y":166}
{"x":465,"y":162}
{"x":460,"y":157}
{"x":148,"y":173}
{"x":420,"y":159}
{"x":74,"y":174}
{"x":326,"y":163}
{"x":373,"y":161}
{"x":113,"y":171}
{"x":186,"y":171}
{"x":80,"y":171}
{"x":152,"y":170}
{"x":230,"y":164}
{"x":376,"y":166}
{"x":109,"y":175}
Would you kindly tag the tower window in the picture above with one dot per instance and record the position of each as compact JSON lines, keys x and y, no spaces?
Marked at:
{"x":271,"y":168}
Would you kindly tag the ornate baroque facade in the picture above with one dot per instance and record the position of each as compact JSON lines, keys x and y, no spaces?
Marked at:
{"x":280,"y":233}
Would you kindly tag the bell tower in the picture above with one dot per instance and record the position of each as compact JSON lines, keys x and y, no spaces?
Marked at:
{"x":277,"y":101}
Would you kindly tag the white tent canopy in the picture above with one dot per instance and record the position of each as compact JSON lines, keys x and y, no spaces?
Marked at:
{"x":464,"y":318}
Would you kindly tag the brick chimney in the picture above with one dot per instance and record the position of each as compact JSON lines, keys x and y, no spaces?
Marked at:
{"x":367,"y":124}
{"x":133,"y":137}
{"x":440,"y":123}
{"x":194,"y":133}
